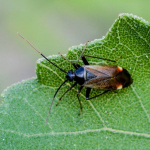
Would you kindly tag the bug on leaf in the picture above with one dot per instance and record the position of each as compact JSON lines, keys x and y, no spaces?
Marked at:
{"x":106,"y":77}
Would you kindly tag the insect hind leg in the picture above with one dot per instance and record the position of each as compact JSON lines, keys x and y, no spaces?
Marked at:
{"x":88,"y":93}
{"x":102,"y":58}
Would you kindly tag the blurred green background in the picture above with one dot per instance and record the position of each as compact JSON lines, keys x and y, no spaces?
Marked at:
{"x":52,"y":27}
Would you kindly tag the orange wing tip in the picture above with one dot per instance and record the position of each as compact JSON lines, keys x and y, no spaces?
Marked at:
{"x":119,"y":86}
{"x":119,"y":69}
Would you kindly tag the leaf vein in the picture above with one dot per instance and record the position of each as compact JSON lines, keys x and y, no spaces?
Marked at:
{"x":82,"y":132}
{"x":139,"y":98}
{"x":144,"y":39}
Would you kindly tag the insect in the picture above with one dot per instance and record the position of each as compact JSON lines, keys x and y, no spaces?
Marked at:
{"x":106,"y":77}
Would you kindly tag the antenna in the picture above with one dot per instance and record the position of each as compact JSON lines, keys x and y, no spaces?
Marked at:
{"x":41,"y":53}
{"x":53,"y":99}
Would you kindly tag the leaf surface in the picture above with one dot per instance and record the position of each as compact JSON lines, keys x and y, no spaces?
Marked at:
{"x":115,"y":120}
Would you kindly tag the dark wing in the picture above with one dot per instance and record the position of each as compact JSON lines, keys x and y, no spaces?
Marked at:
{"x":103,"y":76}
{"x":102,"y":83}
{"x":100,"y":70}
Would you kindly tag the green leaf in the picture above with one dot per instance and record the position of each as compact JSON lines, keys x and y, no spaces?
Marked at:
{"x":115,"y":120}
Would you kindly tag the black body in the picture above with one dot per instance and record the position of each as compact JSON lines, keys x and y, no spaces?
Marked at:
{"x":97,"y":77}
{"x":106,"y":77}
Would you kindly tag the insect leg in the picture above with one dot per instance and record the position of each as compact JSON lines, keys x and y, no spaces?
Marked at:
{"x":76,"y":66}
{"x":79,"y":99}
{"x":82,"y":53}
{"x":84,"y":60}
{"x":96,"y":95}
{"x":100,"y":58}
{"x":88,"y":90}
{"x":66,"y":92}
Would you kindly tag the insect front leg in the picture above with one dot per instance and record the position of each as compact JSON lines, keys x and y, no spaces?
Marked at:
{"x":76,"y":66}
{"x":65,"y":93}
{"x":81,"y":87}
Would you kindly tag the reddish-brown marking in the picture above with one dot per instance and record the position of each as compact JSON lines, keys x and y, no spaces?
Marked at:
{"x":119,"y":69}
{"x":119,"y":86}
